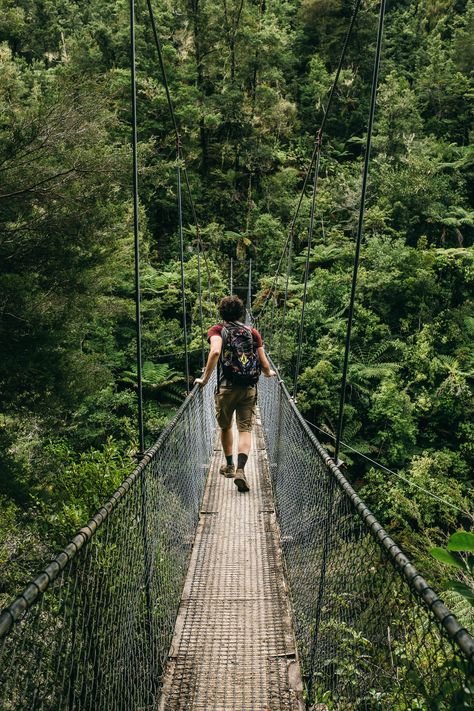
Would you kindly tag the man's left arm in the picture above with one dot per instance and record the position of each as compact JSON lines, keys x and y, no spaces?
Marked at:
{"x":213,"y":357}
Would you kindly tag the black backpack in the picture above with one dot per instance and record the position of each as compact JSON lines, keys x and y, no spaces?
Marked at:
{"x":239,"y":360}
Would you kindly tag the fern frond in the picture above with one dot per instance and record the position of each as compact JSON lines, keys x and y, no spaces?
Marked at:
{"x":461,"y":607}
{"x":359,"y":371}
{"x":450,"y":362}
{"x":469,"y":325}
{"x":350,"y":431}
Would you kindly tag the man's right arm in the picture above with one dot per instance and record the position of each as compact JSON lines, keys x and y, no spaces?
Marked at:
{"x":266,"y":370}
{"x":213,"y":357}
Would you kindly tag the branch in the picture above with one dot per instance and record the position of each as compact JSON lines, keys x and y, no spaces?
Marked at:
{"x":37,"y":185}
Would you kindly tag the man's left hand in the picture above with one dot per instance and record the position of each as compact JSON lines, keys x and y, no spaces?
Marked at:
{"x":200,"y":381}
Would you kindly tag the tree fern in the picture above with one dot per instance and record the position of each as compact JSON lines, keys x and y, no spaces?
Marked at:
{"x":451,"y":363}
{"x":461,"y":607}
{"x":469,"y":325}
{"x":159,"y":380}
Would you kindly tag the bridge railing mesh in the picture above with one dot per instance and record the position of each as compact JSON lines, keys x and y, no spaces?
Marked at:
{"x":94,"y":629}
{"x":370,"y":632}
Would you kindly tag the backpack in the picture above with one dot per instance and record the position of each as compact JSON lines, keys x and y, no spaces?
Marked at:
{"x":239,"y":361}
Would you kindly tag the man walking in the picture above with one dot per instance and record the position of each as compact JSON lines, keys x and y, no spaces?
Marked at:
{"x":238,"y":352}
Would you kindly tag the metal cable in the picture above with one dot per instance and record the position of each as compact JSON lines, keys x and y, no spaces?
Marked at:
{"x":181,"y":155}
{"x":272,"y":320}
{"x":285,"y":302}
{"x":368,"y":627}
{"x":330,"y":523}
{"x":201,"y":318}
{"x":181,"y":256}
{"x":136,"y":243}
{"x":272,"y":294}
{"x":319,"y":135}
{"x":249,"y":288}
{"x":365,"y":174}
{"x":367,"y":624}
{"x":306,"y":271}
{"x":93,"y":630}
{"x":289,"y":236}
{"x":391,"y":471}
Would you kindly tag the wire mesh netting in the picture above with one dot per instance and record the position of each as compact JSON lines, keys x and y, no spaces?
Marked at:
{"x":366,"y":625}
{"x":99,"y":635}
{"x":371,"y":634}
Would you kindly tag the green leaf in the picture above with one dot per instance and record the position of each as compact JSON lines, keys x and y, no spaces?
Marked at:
{"x":462,"y":589}
{"x":445,"y":556}
{"x":461,"y":541}
{"x":470,"y":563}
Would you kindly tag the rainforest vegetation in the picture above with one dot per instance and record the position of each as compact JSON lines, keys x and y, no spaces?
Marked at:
{"x":249,"y":80}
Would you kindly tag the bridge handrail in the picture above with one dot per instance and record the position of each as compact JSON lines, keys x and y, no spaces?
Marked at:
{"x":48,"y":575}
{"x":447,"y":619}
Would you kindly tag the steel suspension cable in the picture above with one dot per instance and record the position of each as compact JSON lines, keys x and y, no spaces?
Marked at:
{"x":365,"y":174}
{"x":290,"y":233}
{"x":249,"y":289}
{"x":285,"y":302}
{"x":306,"y":272}
{"x":340,"y":64}
{"x":181,"y":254}
{"x":319,"y":135}
{"x":272,"y":319}
{"x":272,"y":292}
{"x":201,"y":319}
{"x":143,"y":493}
{"x":329,"y":524}
{"x":180,"y":148}
{"x":410,"y":482}
{"x":136,"y":241}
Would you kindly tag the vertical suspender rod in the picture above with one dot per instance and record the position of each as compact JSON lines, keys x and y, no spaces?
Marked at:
{"x":136,"y":229}
{"x":360,"y":226}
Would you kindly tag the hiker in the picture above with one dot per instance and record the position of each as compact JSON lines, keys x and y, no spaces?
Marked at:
{"x":238,"y":352}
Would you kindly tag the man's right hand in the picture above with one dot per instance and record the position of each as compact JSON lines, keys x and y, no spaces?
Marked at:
{"x":200,"y":381}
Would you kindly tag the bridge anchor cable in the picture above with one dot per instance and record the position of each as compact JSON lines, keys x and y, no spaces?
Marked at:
{"x":136,"y":232}
{"x":360,"y":225}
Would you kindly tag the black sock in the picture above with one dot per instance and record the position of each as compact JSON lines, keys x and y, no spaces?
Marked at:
{"x":229,"y":459}
{"x":241,"y":460}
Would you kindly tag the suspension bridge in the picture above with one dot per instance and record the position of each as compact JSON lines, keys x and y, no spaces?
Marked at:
{"x":182,"y":594}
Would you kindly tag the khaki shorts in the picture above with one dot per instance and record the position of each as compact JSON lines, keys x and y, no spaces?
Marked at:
{"x":240,"y":400}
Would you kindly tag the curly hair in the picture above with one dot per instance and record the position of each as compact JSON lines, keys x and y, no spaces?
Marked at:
{"x":231,"y":308}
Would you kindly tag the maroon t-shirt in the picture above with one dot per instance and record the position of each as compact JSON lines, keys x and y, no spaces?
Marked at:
{"x":217,"y":329}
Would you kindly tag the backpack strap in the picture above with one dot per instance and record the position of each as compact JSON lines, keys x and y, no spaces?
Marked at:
{"x":220,"y":370}
{"x":224,"y":336}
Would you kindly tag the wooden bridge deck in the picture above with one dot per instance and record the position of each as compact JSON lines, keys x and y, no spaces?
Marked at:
{"x":233,"y":645}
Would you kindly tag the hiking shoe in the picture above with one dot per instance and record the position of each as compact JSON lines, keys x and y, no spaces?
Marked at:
{"x":240,"y":481}
{"x":227,"y":470}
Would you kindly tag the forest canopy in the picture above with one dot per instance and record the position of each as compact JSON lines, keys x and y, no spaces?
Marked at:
{"x":249,"y":81}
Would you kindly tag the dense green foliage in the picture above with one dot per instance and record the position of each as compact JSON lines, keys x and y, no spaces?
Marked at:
{"x":249,"y":80}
